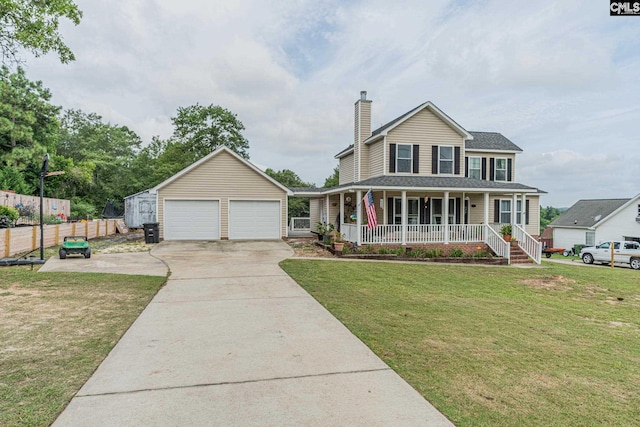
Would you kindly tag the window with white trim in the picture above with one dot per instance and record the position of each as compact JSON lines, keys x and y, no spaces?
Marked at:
{"x":404,"y":158}
{"x":475,"y":167}
{"x":519,"y":212}
{"x":590,"y":238}
{"x":437,"y":214}
{"x":413,"y":210}
{"x":505,"y":211}
{"x":500,"y":172}
{"x":445,"y":159}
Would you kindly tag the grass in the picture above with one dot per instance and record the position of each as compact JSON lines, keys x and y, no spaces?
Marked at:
{"x":55,"y":329}
{"x":552,"y":346}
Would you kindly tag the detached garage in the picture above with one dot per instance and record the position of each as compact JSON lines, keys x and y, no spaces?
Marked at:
{"x":221,"y":196}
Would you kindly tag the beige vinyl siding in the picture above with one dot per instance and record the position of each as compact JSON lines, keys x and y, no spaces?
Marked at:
{"x":315,"y":212}
{"x":222,"y":177}
{"x":533,"y":228}
{"x":376,"y":159}
{"x":346,"y":169}
{"x":426,"y":129}
{"x":470,"y":153}
{"x":476,"y":215}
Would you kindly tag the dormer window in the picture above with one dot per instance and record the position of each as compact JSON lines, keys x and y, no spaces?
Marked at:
{"x":404,"y":159}
{"x":445,"y":159}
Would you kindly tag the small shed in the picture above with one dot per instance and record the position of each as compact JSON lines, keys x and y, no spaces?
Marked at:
{"x":140,"y":208}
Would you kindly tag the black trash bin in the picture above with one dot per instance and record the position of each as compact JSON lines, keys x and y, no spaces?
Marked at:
{"x":151,"y":232}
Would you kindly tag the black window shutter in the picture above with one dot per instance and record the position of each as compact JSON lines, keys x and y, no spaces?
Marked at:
{"x":526,"y":212}
{"x":423,"y":211}
{"x":392,"y":158}
{"x":509,"y":165}
{"x":416,"y":158}
{"x":492,"y":163}
{"x":496,"y":211}
{"x":466,"y":167}
{"x":456,"y":160}
{"x":390,"y":210}
{"x":458,"y":208}
{"x":434,"y":159}
{"x":484,"y":168}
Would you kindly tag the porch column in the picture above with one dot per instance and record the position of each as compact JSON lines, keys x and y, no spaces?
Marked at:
{"x":486,"y":208}
{"x":514,"y":205}
{"x":404,"y":217}
{"x":384,"y":207}
{"x":445,"y":202}
{"x":339,"y":224}
{"x":326,"y":209}
{"x":523,"y":216}
{"x":359,"y":216}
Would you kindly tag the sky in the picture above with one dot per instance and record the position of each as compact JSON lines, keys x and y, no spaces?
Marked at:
{"x":559,"y":78}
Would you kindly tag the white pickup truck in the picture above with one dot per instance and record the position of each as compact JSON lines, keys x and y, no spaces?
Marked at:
{"x":623,"y":252}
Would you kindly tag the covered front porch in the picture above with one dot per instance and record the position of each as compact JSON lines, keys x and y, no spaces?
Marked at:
{"x":410,"y":217}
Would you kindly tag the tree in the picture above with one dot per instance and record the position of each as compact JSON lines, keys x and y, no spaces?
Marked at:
{"x":33,"y":25}
{"x":334,"y":179}
{"x":203,"y":129}
{"x":547,"y":215}
{"x":298,"y":206}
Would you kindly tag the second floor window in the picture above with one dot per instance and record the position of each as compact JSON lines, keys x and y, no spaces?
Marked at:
{"x":501,"y":170}
{"x":475,"y":167}
{"x":445,"y":159}
{"x":403,"y":158}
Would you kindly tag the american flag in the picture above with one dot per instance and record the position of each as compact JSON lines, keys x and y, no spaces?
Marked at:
{"x":371,"y":210}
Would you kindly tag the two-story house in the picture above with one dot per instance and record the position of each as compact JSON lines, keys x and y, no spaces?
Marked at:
{"x":432,"y":182}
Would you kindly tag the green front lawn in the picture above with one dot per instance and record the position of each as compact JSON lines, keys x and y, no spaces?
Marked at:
{"x":552,"y":346}
{"x":55,"y":329}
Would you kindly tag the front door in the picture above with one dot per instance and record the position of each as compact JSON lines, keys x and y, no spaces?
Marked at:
{"x":437,"y":211}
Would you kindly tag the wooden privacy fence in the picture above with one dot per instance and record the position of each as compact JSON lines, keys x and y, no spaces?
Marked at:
{"x":24,"y":239}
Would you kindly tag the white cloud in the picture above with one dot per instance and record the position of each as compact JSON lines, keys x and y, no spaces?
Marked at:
{"x":556,"y":77}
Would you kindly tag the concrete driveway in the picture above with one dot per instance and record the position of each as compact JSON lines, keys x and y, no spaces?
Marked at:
{"x":233,"y":341}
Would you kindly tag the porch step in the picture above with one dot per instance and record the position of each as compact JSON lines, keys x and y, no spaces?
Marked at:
{"x":518,"y":256}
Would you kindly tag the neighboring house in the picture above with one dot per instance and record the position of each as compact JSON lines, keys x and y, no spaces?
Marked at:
{"x":593,"y":221}
{"x":432,"y":181}
{"x":221,"y":196}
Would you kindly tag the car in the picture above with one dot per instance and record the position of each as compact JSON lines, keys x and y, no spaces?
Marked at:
{"x":624,"y":252}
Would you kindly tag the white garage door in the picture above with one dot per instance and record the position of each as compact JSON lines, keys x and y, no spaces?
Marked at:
{"x":191,"y":220}
{"x":254,"y":219}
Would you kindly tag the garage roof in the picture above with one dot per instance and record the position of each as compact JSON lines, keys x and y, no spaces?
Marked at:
{"x":214,"y":153}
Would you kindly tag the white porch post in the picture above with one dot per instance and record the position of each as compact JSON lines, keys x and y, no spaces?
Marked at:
{"x":384,"y":207}
{"x":326,"y":209}
{"x":514,"y":205}
{"x":446,"y":217}
{"x":523,"y":217}
{"x":404,"y":217}
{"x":359,"y":216}
{"x":341,"y":221}
{"x":486,"y":209}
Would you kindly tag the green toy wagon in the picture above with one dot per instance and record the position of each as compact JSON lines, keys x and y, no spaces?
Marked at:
{"x":75,"y":245}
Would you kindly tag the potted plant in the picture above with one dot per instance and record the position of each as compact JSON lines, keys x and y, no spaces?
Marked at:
{"x":338,"y":243}
{"x":505,"y":230}
{"x":324,"y":231}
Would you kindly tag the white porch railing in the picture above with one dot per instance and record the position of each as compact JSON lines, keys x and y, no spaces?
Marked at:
{"x":465,"y":233}
{"x":529,"y":245}
{"x":382,"y":234}
{"x":497,"y":245}
{"x":300,"y":224}
{"x":418,"y":233}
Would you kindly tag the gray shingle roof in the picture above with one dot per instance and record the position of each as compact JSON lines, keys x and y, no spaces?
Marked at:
{"x":585,"y":213}
{"x":440,"y":182}
{"x":307,"y":189}
{"x":344,"y":151}
{"x":490,"y":141}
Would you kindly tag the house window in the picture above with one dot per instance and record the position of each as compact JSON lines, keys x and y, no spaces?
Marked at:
{"x":445,"y":159}
{"x":437,"y":211}
{"x":475,"y":167}
{"x":404,"y":159}
{"x":500,"y":172}
{"x":590,"y":238}
{"x":413,"y":210}
{"x":505,"y":211}
{"x":519,"y":212}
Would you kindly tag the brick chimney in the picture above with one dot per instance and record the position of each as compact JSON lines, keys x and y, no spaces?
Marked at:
{"x":362,"y":131}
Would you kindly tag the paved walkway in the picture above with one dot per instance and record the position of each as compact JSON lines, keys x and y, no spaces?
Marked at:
{"x":122,"y":263}
{"x":233,"y":341}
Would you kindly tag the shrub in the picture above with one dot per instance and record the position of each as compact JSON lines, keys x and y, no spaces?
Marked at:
{"x":456,"y":253}
{"x":82,"y":209}
{"x":8,"y":216}
{"x":385,"y":251}
{"x":434,"y":253}
{"x":417,"y":253}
